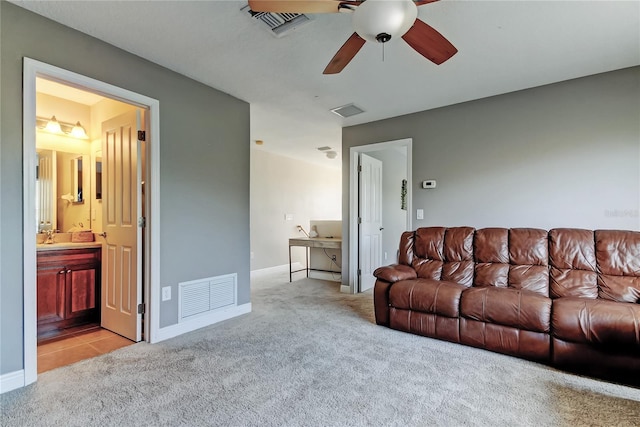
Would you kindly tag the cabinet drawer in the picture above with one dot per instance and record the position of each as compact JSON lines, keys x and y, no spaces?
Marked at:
{"x":69,"y":257}
{"x":327,"y":244}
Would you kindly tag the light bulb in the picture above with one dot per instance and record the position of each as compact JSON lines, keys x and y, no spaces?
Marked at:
{"x":79,"y":132}
{"x":53,"y":126}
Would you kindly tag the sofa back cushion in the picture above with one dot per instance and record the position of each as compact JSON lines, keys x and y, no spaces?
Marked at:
{"x":441,"y":253}
{"x":405,"y":254}
{"x":515,"y":258}
{"x":618,"y":261}
{"x":491,"y":249}
{"x":572,"y":257}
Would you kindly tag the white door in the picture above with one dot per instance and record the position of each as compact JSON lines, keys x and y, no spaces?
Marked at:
{"x":370,"y":214}
{"x":121,"y":208}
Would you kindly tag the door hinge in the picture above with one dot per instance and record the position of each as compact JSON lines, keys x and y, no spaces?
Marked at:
{"x":141,"y":308}
{"x":142,"y":222}
{"x":142,"y":135}
{"x":359,"y":272}
{"x":359,"y":168}
{"x":359,"y":220}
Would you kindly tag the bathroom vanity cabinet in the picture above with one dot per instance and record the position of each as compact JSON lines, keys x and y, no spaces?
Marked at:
{"x":68,"y":287}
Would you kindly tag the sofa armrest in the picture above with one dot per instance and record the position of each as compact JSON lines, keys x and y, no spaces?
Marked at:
{"x":381,"y":302}
{"x":394,"y":273}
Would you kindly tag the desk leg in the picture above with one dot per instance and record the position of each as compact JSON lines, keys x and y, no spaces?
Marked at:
{"x":307,"y":253}
{"x":290,"y":273}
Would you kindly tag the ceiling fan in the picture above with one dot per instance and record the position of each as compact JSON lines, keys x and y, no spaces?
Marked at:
{"x":373,"y":20}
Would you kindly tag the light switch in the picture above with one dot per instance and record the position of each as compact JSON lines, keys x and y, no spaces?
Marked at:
{"x":420,"y":214}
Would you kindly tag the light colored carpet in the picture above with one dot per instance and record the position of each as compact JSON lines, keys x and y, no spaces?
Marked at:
{"x":310,"y":356}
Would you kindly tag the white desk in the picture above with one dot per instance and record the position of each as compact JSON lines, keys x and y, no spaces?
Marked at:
{"x":314,"y":242}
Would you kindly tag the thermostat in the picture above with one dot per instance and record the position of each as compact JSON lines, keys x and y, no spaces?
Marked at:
{"x":431,"y":183}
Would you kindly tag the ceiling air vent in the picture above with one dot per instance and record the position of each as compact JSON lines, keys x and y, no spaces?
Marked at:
{"x":347,"y":110}
{"x":278,"y":24}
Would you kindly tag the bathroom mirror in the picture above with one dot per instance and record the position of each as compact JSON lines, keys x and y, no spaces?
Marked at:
{"x":98,"y":177}
{"x":46,"y":189}
{"x":76,"y":180}
{"x":63,"y":185}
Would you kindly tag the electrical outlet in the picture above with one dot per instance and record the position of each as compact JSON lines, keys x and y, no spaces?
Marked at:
{"x":166,"y":293}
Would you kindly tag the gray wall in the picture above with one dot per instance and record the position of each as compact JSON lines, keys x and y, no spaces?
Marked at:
{"x":204,"y":157}
{"x":562,"y":155}
{"x":394,"y":219}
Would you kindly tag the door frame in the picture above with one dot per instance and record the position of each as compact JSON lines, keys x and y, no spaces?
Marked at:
{"x":354,"y":197}
{"x":32,"y":69}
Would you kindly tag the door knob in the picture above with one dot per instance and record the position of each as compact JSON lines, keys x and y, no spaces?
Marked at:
{"x":381,"y":228}
{"x":103,"y":234}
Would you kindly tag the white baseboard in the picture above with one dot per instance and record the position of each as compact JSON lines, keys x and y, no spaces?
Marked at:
{"x":284,"y":268}
{"x":201,"y":321}
{"x":323,"y":275}
{"x":11,"y":381}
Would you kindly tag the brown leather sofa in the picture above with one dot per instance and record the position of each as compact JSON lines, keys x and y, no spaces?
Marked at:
{"x":567,"y":297}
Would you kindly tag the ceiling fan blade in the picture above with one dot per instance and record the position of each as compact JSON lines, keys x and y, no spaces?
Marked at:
{"x":345,"y":54}
{"x":429,"y":43}
{"x":298,"y":6}
{"x":421,"y":2}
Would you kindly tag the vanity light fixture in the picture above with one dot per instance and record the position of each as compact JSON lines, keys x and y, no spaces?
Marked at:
{"x":52,"y":125}
{"x":79,"y":132}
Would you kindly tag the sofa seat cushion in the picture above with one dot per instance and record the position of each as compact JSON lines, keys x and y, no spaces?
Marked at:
{"x":427,"y":295}
{"x":516,"y":308}
{"x":598,"y":322}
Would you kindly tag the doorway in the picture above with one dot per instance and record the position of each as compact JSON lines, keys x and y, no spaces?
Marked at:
{"x":148,"y":241}
{"x":380,"y":208}
{"x":89,"y":187}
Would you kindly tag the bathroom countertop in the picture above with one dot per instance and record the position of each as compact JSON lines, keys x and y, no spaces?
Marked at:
{"x":66,"y":245}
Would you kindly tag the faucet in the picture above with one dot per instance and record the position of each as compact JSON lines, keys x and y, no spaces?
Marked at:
{"x":50,"y":234}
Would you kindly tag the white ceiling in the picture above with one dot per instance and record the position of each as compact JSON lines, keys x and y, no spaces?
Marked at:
{"x":503,"y":46}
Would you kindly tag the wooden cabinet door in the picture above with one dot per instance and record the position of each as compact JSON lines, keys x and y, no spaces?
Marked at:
{"x":51,"y":295}
{"x":81,"y":295}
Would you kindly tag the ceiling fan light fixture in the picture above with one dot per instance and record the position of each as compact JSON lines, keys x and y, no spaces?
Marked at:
{"x":383,"y":20}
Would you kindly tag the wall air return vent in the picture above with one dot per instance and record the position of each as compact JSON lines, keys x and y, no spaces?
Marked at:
{"x":199,"y":297}
{"x":278,"y":24}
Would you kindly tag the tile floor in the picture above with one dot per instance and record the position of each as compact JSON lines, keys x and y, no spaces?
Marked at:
{"x":77,"y":347}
